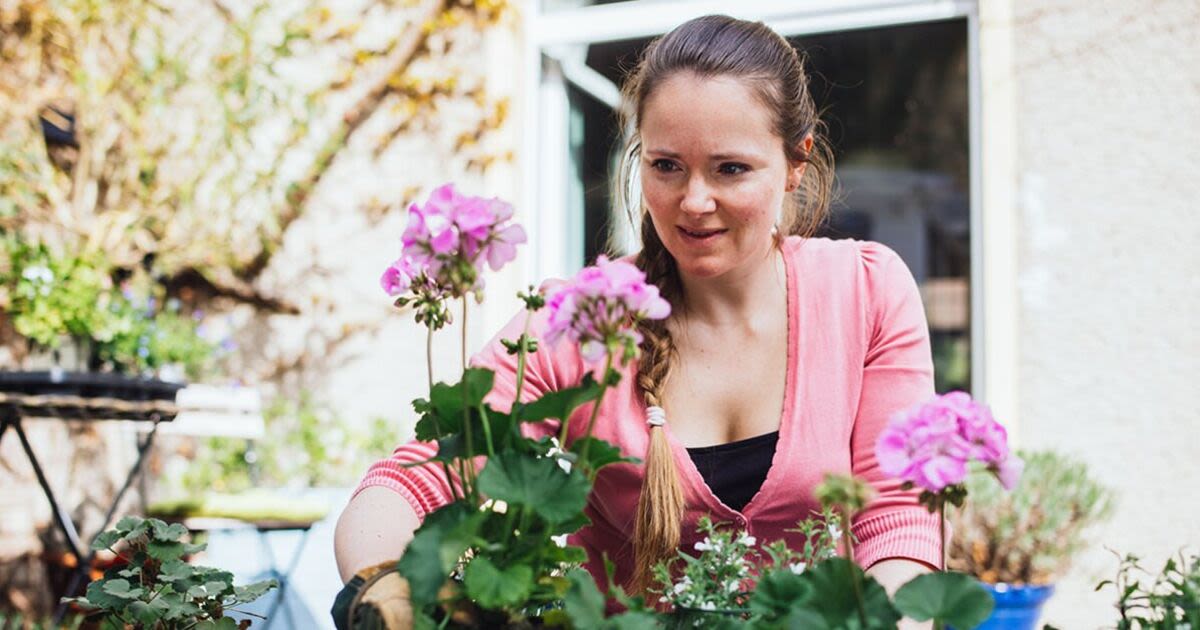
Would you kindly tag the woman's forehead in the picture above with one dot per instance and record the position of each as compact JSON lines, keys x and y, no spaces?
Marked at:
{"x":716,"y":115}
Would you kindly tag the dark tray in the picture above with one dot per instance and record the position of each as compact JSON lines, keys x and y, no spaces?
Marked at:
{"x":87,"y":385}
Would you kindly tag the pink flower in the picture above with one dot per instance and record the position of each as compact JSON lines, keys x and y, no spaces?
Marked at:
{"x":931,"y":444}
{"x":600,"y":307}
{"x":452,"y":235}
{"x":398,"y":277}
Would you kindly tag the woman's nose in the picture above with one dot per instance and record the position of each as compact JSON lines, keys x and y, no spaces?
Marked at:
{"x":698,"y":198}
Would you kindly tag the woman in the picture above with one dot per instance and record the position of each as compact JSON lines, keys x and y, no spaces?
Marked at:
{"x":784,"y":355}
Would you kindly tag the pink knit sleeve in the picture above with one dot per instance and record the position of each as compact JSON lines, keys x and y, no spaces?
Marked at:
{"x":897,"y":373}
{"x":425,"y":486}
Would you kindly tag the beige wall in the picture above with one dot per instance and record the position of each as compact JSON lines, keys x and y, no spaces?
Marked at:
{"x":1102,"y":100}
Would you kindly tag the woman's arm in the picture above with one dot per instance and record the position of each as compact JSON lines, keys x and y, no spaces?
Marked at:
{"x":375,"y":527}
{"x":894,"y":573}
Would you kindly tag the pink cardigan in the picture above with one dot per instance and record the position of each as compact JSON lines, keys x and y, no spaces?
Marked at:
{"x":858,"y":351}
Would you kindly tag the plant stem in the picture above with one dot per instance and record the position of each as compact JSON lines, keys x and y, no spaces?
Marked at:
{"x":436,"y":424}
{"x":522,"y":344}
{"x":942,"y":532}
{"x":469,"y":488}
{"x":595,"y":412}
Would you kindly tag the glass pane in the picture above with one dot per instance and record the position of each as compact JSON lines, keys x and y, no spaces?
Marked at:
{"x":896,"y":104}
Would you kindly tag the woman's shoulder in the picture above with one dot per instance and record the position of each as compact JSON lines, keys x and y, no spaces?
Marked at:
{"x":835,"y":257}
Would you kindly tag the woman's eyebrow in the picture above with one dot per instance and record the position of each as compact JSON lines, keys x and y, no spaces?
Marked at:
{"x":714,"y":156}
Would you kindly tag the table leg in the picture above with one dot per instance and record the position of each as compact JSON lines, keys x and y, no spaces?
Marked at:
{"x":283,"y":578}
{"x":143,"y":448}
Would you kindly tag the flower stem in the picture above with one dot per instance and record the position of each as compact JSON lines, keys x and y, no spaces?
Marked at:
{"x":942,"y":532}
{"x":522,"y":352}
{"x":436,"y":424}
{"x":470,"y":461}
{"x":595,"y":412}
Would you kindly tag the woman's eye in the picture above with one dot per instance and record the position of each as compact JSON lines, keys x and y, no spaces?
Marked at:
{"x":733,"y":168}
{"x":663,"y":166}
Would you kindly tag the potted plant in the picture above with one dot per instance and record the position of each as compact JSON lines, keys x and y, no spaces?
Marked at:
{"x":1018,"y":543}
{"x":156,"y":588}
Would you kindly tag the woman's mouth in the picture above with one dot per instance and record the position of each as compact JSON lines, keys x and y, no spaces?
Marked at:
{"x":700,"y":236}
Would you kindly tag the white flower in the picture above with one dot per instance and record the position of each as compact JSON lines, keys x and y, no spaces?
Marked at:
{"x":708,"y":606}
{"x":704,"y":545}
{"x":40,"y":273}
{"x":681,"y":586}
{"x":835,"y":532}
{"x":733,"y":586}
{"x":747,"y":540}
{"x":798,"y":567}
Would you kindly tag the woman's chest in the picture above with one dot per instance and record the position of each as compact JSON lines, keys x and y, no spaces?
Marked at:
{"x":727,"y":389}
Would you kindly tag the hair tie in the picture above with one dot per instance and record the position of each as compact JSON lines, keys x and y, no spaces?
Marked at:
{"x":656,"y":416}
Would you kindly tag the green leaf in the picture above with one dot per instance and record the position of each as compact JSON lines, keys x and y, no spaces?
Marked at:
{"x":106,"y":539}
{"x":561,"y":403}
{"x":164,"y":550}
{"x":583,"y":602}
{"x":478,"y":383}
{"x":175,"y":571}
{"x":434,"y":550}
{"x":127,"y":524}
{"x":950,"y":598}
{"x":633,"y":620}
{"x":251,"y":592}
{"x":98,"y":597}
{"x":599,"y":453}
{"x":121,"y":589}
{"x":147,"y":613}
{"x":833,"y":595}
{"x":172,"y":532}
{"x":539,"y":483}
{"x":494,"y":588}
{"x":777,"y":592}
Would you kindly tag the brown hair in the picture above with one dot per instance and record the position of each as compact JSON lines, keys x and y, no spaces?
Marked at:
{"x":709,"y":46}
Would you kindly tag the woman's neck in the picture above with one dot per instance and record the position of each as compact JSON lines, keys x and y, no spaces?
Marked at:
{"x":737,"y":297}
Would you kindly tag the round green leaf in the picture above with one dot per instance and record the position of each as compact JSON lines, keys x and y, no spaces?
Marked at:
{"x":950,"y":598}
{"x":493,"y":588}
{"x":519,"y":479}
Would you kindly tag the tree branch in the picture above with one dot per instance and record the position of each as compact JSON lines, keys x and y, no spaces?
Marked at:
{"x":298,"y":193}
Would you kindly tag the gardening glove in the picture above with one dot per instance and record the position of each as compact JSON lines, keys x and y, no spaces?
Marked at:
{"x":376,"y":598}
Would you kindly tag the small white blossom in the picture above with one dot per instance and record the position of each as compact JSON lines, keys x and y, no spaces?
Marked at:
{"x":704,"y":545}
{"x":708,"y":606}
{"x":733,"y":586}
{"x":798,"y":567}
{"x":835,"y":532}
{"x":747,"y":540}
{"x":39,"y":273}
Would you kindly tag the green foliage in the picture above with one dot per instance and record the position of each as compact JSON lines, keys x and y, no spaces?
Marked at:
{"x":1028,"y":535}
{"x":949,"y":598}
{"x":155,"y":588}
{"x":51,"y":297}
{"x":311,"y":445}
{"x":1170,"y":602}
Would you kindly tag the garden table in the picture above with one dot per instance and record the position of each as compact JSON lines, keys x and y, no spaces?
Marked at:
{"x":69,"y":396}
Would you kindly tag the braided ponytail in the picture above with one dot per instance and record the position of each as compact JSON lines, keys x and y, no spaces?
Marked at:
{"x":660,"y":506}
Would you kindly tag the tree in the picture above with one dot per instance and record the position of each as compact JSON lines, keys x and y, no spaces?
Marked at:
{"x":184,"y":137}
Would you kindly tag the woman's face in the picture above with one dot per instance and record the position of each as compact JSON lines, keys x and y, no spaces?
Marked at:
{"x":714,"y":173}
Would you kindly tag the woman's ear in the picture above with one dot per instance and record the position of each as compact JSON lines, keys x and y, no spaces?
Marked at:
{"x":796,"y":169}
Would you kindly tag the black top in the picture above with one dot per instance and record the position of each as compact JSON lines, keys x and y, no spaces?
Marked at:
{"x":735,"y":471}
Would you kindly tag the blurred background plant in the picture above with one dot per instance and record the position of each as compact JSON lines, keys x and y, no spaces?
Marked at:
{"x":1170,"y":602}
{"x":1031,"y":534}
{"x":310,"y":446}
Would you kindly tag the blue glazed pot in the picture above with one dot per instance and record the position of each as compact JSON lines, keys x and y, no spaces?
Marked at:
{"x":1017,"y":607}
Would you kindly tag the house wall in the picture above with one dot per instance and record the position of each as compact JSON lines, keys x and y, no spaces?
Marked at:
{"x":1102,"y":101}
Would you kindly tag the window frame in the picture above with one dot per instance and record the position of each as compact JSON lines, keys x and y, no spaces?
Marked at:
{"x":549,"y":38}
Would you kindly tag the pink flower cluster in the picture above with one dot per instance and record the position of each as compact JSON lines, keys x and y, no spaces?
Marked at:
{"x":450,"y":237}
{"x":600,"y":307}
{"x":931,"y":444}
